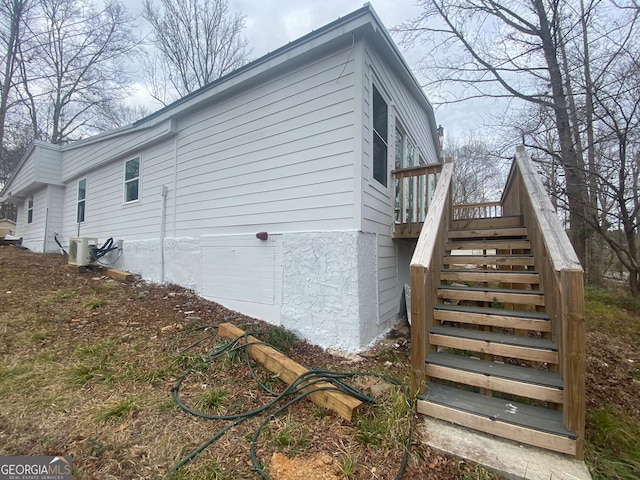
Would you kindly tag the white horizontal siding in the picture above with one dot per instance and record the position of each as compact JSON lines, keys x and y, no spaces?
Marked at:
{"x":105,"y":213}
{"x":279,"y":156}
{"x":377,"y":200}
{"x":33,"y":233}
{"x":25,"y":175}
{"x":84,"y":156}
{"x":49,"y":164}
{"x":409,"y":111}
{"x":388,"y":300}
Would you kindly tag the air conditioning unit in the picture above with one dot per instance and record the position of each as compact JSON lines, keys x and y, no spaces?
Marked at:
{"x":80,"y":250}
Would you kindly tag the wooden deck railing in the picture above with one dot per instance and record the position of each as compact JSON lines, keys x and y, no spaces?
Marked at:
{"x":425,"y":273}
{"x":468,"y":211}
{"x":562,"y":282}
{"x":414,"y":187}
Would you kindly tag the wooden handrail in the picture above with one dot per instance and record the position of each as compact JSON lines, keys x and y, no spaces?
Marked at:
{"x":562,"y":281}
{"x":413,"y":189}
{"x":425,"y":273}
{"x":418,"y":170}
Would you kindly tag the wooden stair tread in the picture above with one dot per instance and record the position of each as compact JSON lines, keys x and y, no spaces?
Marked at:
{"x":524,"y":260}
{"x":497,"y":410}
{"x":491,"y":255}
{"x":494,"y":317}
{"x":497,"y":338}
{"x":493,"y":275}
{"x":493,"y":311}
{"x":484,"y":294}
{"x":487,"y":233}
{"x":488,"y":244}
{"x":492,"y":270}
{"x":494,"y":369}
{"x":490,"y":290}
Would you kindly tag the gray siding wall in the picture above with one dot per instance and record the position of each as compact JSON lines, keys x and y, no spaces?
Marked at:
{"x":377,"y":212}
{"x":55,"y":201}
{"x":33,"y":233}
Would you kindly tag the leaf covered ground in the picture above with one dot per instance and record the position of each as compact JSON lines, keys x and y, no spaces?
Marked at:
{"x":88,"y":366}
{"x":87,"y":370}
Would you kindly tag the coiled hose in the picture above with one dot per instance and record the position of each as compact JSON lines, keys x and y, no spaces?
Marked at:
{"x":304,"y":385}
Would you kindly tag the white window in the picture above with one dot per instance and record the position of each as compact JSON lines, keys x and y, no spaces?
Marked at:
{"x":30,"y":210}
{"x":82,"y":195}
{"x":410,"y":206}
{"x":132,"y":180}
{"x":380,"y":137}
{"x":405,"y":149}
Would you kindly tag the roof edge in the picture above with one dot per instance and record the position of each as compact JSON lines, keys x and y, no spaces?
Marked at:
{"x":367,"y":9}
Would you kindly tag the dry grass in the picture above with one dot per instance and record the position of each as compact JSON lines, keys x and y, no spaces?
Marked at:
{"x":86,"y":370}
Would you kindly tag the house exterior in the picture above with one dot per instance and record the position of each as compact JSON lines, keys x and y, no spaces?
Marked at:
{"x":297,"y":146}
{"x":7,"y":227}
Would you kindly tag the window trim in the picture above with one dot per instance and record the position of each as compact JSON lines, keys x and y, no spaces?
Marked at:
{"x":30,"y":209}
{"x":376,"y":135}
{"x":82,"y":201}
{"x":126,"y":181}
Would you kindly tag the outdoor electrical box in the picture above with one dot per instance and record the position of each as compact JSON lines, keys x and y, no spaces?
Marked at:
{"x":80,"y":250}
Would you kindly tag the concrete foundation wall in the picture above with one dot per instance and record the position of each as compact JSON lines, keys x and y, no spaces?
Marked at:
{"x":320,"y":285}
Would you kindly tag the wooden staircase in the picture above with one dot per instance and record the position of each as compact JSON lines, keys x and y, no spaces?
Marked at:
{"x":497,"y":331}
{"x":491,"y":362}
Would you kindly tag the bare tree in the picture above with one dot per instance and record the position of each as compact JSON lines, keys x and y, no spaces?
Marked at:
{"x":479,"y":174}
{"x":74,"y":71}
{"x":540,"y":52}
{"x":617,"y":110}
{"x":197,"y":42}
{"x":13,"y":15}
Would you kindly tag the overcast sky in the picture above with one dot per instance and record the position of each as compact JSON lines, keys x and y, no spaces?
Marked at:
{"x":271,"y":24}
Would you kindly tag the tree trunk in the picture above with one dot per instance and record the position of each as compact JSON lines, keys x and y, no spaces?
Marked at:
{"x":595,"y":273}
{"x":574,"y":176}
{"x":634,"y":282}
{"x":15,"y":17}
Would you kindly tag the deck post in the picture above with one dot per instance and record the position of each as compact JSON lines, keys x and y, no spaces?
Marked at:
{"x":574,"y":355}
{"x":418,"y":328}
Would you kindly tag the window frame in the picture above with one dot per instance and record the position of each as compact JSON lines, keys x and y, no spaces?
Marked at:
{"x":379,"y":165}
{"x":30,"y":209}
{"x":408,"y":149}
{"x":126,"y":181}
{"x":81,"y":201}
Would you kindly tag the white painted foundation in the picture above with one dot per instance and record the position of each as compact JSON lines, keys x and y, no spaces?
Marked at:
{"x":320,"y":285}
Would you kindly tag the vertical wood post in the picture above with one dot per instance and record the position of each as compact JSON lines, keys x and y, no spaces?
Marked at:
{"x":573,"y":355}
{"x":418,"y":328}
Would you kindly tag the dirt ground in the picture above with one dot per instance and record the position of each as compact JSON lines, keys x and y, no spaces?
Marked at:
{"x":88,"y":367}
